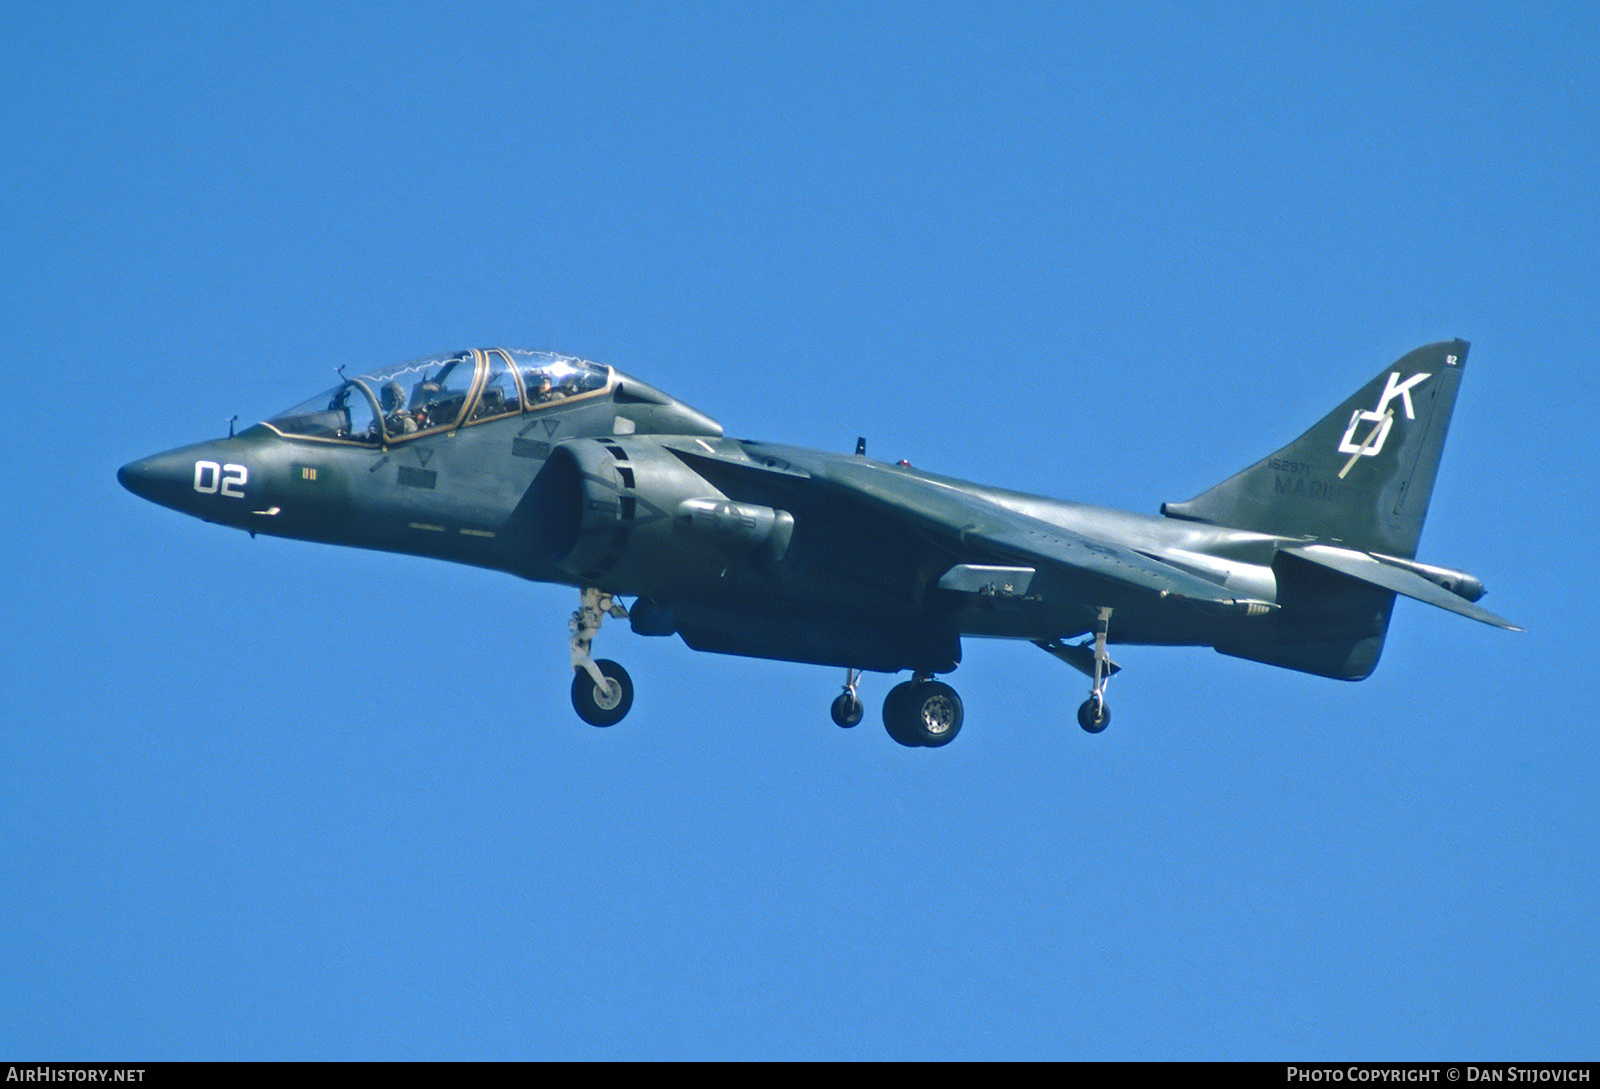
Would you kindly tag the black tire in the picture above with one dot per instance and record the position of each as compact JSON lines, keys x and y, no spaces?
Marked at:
{"x":1094,"y":715}
{"x":596,"y":706}
{"x":847,"y":711}
{"x":934,"y":714}
{"x":895,"y":717}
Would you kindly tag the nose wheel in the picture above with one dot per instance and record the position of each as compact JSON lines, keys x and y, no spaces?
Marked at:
{"x":602,"y":691}
{"x":602,"y":703}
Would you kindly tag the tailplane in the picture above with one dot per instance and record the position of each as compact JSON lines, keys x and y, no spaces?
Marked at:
{"x":1363,"y":476}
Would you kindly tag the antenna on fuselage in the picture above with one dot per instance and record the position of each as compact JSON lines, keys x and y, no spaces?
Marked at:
{"x":231,"y":421}
{"x":861,"y":447}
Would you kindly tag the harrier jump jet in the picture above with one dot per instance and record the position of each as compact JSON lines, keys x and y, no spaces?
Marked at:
{"x":556,"y":469}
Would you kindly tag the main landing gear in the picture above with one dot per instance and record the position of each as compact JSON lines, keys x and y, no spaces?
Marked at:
{"x":919,"y":713}
{"x":922,"y":712}
{"x":602,"y":691}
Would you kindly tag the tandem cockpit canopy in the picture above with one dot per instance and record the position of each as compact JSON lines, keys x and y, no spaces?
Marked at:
{"x":436,"y":393}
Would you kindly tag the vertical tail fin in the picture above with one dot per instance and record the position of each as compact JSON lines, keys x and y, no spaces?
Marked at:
{"x":1363,"y":476}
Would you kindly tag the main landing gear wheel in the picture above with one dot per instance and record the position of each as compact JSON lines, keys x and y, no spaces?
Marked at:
{"x":847,"y":711}
{"x":1094,"y":715}
{"x":602,"y":706}
{"x":922,"y":714}
{"x":895,"y":719}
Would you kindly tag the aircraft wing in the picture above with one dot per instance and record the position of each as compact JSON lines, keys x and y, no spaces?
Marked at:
{"x":977,"y":529}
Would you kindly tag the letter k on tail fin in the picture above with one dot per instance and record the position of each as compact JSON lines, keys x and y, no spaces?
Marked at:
{"x":1362,"y":476}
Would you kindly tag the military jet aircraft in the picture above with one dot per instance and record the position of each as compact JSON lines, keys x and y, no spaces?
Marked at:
{"x":557,"y":469}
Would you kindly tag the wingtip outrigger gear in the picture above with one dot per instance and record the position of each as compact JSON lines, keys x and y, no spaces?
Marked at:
{"x":847,"y":708}
{"x":1094,"y":715}
{"x":1092,"y":660}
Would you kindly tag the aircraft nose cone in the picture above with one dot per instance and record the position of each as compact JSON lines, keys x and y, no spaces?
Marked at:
{"x":139,"y":477}
{"x":162,"y":478}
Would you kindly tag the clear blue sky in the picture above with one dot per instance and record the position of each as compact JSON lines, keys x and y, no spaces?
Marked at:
{"x":1114,"y":252}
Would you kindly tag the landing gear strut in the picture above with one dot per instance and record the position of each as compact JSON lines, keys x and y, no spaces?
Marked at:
{"x":602,"y":691}
{"x":922,"y":713}
{"x":1095,"y":714}
{"x":847,"y":709}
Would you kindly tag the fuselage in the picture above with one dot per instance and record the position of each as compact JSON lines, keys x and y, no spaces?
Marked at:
{"x":599,"y":487}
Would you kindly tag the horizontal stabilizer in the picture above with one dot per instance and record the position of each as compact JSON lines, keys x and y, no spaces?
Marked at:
{"x":1360,"y":565}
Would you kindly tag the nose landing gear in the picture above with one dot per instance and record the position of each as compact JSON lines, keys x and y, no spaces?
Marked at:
{"x":602,"y":691}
